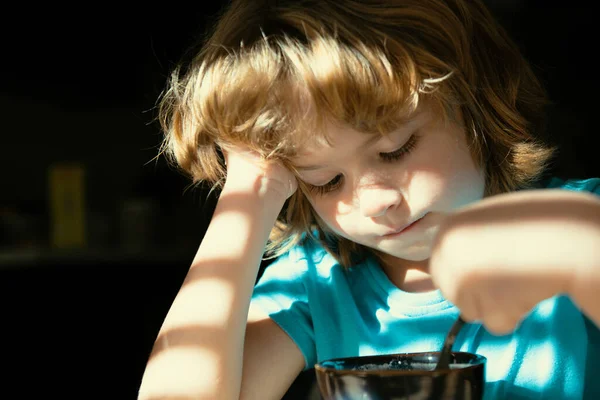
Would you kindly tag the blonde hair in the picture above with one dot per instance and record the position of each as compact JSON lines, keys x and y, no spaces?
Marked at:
{"x":272,"y":72}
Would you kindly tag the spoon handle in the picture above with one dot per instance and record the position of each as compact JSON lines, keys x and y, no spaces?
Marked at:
{"x":444,"y":360}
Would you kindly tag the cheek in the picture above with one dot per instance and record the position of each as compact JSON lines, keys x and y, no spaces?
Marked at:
{"x":454,"y":180}
{"x":329,"y":211}
{"x":467,"y":178}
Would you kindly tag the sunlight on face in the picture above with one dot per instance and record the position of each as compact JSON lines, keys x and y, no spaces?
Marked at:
{"x":368,"y":188}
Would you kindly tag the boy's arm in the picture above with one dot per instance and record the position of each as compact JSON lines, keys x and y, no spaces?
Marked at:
{"x":496,"y":259}
{"x":271,"y":359}
{"x":199,"y":350}
{"x":585,"y":289}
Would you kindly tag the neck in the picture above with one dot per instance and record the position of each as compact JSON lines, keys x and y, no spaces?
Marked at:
{"x":409,"y":276}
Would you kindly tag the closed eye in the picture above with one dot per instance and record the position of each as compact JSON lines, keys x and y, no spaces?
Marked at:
{"x":402,"y":151}
{"x":330,"y":186}
{"x":395,"y":155}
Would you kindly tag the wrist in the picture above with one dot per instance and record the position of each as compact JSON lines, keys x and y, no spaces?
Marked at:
{"x":273,"y":192}
{"x":246,"y":213}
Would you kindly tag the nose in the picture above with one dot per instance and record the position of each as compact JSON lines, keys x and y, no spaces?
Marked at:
{"x":375,"y":202}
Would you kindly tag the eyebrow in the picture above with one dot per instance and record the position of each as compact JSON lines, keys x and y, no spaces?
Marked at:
{"x":369,"y":142}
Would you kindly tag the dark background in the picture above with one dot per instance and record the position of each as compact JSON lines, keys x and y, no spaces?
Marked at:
{"x":79,"y":84}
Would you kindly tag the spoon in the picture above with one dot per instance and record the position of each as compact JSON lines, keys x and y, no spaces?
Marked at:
{"x":444,"y":360}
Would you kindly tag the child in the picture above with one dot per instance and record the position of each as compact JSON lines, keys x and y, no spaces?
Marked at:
{"x":389,"y":154}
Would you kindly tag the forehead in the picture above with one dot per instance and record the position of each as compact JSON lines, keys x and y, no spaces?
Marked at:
{"x":315,"y":118}
{"x":330,"y":137}
{"x":333,"y":135}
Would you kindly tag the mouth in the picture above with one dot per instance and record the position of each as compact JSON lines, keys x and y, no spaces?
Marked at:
{"x":404,"y":229}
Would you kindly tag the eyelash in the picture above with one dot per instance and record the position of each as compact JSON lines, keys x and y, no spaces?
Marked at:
{"x":393,"y":156}
{"x":402,"y":151}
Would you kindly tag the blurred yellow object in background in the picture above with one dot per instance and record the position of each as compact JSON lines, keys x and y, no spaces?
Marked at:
{"x":67,"y":206}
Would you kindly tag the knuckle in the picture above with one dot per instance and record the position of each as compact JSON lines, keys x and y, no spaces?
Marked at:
{"x":499,"y":324}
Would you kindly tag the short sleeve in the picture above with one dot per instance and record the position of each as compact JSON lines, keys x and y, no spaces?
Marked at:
{"x":591,"y":185}
{"x":282,"y":294}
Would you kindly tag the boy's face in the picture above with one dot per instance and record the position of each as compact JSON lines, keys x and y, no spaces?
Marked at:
{"x":369,"y":191}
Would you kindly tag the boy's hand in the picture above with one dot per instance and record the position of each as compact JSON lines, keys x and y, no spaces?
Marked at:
{"x":245,"y":167}
{"x":496,"y":259}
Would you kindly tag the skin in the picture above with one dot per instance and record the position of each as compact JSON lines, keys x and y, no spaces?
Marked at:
{"x":212,"y":344}
{"x":374,"y":195}
{"x":522,"y":248}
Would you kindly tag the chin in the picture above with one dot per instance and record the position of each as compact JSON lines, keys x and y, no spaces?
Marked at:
{"x":414,"y":253}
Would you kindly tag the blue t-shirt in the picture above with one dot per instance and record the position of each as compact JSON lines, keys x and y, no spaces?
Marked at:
{"x":332,"y":312}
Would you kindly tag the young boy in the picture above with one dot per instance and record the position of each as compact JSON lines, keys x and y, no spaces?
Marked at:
{"x":388,"y":153}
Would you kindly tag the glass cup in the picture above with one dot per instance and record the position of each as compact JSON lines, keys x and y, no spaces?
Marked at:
{"x":407,"y":376}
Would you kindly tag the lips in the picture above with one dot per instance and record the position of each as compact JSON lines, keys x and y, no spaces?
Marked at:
{"x":403,"y":228}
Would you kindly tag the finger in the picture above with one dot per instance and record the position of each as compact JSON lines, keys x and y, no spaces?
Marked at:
{"x":292,"y":187}
{"x":500,"y":323}
{"x":500,"y":316}
{"x":470,"y":308}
